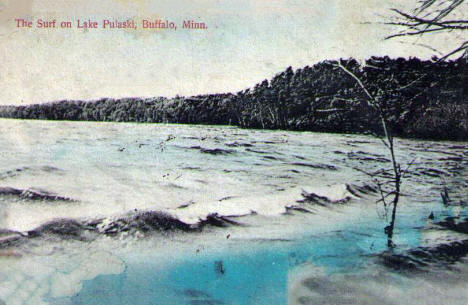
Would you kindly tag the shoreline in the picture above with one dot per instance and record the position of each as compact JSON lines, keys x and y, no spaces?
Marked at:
{"x":208,"y":125}
{"x":420,"y":99}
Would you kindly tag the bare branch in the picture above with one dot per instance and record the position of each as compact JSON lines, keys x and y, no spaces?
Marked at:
{"x":371,"y":98}
{"x":414,"y":33}
{"x":449,"y":24}
{"x":462,"y":48}
{"x":431,"y":16}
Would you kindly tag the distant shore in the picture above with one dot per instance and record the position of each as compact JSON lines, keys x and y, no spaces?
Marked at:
{"x":422,"y":99}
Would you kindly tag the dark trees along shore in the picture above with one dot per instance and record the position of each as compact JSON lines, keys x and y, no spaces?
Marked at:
{"x":422,"y":99}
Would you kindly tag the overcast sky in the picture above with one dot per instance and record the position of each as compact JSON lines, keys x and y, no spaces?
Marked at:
{"x":246,"y":42}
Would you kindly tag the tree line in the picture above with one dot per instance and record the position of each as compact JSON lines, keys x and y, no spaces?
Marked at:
{"x":420,"y":98}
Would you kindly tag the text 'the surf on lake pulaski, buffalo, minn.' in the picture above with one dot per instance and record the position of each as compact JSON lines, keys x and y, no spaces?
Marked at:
{"x":89,"y":23}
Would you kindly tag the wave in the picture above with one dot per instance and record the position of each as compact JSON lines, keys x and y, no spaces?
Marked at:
{"x":350,"y":192}
{"x":316,"y":165}
{"x":138,"y":221}
{"x":160,"y":222}
{"x":9,"y":238}
{"x":13,"y":173}
{"x":441,"y":254}
{"x":32,"y":194}
{"x":213,"y":151}
{"x":156,"y":221}
{"x":25,"y":169}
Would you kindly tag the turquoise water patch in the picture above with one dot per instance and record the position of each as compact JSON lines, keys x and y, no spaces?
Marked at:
{"x":258,"y":275}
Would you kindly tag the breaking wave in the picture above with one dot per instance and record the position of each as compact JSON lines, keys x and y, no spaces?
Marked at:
{"x":32,"y":194}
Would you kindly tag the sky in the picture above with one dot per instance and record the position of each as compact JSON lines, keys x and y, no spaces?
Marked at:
{"x":245,"y":42}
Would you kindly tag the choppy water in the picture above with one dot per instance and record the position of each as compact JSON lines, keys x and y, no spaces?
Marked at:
{"x":109,"y":169}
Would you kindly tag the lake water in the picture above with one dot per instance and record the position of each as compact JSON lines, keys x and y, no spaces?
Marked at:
{"x":326,"y":256}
